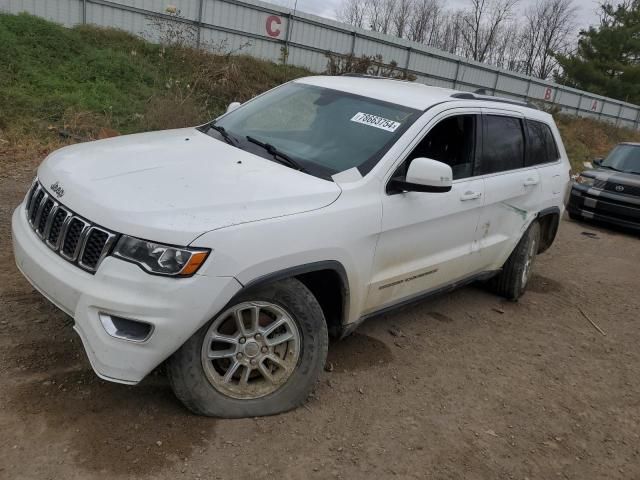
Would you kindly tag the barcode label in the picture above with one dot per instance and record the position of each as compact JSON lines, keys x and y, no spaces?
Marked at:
{"x":375,"y":121}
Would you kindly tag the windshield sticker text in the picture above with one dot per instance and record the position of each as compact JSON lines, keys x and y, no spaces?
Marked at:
{"x":375,"y":121}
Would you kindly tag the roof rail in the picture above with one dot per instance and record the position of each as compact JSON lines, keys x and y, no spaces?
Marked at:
{"x":490,"y":98}
{"x":373,"y":77}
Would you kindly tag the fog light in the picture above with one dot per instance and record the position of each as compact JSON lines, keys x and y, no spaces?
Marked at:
{"x":126,"y":329}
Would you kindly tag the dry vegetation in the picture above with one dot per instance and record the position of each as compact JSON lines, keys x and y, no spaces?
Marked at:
{"x":586,"y":139}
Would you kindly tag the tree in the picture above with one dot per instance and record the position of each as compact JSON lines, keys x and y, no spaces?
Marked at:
{"x":450,"y":38}
{"x":380,"y":15}
{"x":482,"y":23}
{"x":548,"y":32}
{"x":508,"y":48}
{"x":423,"y":23}
{"x":486,"y":30}
{"x":607,"y":60}
{"x":404,"y":10}
{"x":352,"y":12}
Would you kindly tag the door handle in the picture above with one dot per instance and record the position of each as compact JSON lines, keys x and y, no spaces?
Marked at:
{"x":529,"y":182}
{"x":469,"y":195}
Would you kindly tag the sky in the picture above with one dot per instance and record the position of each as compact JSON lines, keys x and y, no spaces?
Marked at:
{"x":327,"y":8}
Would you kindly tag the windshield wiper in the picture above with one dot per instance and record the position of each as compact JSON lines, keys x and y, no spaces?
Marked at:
{"x":222,"y":131}
{"x":278,"y":155}
{"x":611,"y":168}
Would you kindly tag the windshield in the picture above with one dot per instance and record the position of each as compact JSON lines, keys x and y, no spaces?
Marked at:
{"x":624,"y":158}
{"x":325,"y":131}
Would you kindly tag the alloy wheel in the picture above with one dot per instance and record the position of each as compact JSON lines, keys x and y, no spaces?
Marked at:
{"x":251,"y":350}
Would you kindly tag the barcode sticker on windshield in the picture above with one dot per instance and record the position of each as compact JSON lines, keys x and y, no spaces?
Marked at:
{"x":375,"y":121}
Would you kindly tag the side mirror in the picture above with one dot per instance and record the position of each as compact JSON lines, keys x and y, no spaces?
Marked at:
{"x":232,"y":106}
{"x":424,"y":175}
{"x":597,"y":162}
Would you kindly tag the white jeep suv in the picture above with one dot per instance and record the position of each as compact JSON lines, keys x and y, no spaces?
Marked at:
{"x":233,"y":250}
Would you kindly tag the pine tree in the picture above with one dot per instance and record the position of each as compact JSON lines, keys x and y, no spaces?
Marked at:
{"x":607,"y":60}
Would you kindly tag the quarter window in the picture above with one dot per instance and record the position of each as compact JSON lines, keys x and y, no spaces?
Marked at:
{"x":541,"y":146}
{"x":503,"y":145}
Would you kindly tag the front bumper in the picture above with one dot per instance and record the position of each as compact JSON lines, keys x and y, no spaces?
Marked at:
{"x":598,"y":205}
{"x":175,"y":308}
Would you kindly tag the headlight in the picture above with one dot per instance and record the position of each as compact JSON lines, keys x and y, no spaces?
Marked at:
{"x":586,"y":181}
{"x":160,"y":259}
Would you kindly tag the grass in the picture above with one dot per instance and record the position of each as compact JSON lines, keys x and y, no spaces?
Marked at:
{"x":60,"y":85}
{"x":51,"y":75}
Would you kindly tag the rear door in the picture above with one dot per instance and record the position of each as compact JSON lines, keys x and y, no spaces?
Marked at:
{"x":543,"y":154}
{"x":512,"y":189}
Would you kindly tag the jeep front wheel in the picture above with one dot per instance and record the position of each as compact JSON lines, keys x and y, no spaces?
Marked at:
{"x":261,"y":356}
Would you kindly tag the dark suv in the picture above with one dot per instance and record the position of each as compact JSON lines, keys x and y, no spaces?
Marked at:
{"x":611,"y":191}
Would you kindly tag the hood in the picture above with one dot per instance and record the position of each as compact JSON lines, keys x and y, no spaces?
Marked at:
{"x":613,"y":177}
{"x":172,"y":186}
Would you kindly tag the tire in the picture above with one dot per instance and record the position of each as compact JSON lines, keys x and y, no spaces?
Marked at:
{"x":575,"y":217}
{"x":512,"y":281}
{"x":200,"y":382}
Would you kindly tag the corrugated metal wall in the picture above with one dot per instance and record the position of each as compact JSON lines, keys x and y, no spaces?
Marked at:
{"x":269,"y":28}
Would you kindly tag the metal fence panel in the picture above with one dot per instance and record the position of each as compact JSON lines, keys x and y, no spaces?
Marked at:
{"x":246,"y":20}
{"x":312,"y":35}
{"x":66,"y":12}
{"x":106,"y":16}
{"x":438,"y":68}
{"x":567,"y":99}
{"x":188,"y":8}
{"x":610,"y":109}
{"x":477,"y":77}
{"x":389,"y":53}
{"x":268,"y":31}
{"x":516,"y":86}
{"x":539,"y":90}
{"x":628,"y":113}
{"x":314,"y":61}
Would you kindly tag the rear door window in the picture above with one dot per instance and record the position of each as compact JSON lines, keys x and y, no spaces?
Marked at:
{"x":541,"y":146}
{"x":503,"y":144}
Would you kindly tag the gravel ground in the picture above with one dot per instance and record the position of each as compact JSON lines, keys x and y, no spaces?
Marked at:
{"x":461,"y":386}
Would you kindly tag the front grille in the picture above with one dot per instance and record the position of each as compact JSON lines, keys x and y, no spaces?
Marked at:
{"x":93,"y":247}
{"x":74,"y":238}
{"x":33,"y":212}
{"x":56,"y":226}
{"x":44,"y":215}
{"x":613,"y":187}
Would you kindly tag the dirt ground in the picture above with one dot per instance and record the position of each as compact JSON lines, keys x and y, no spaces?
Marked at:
{"x":462,"y":386}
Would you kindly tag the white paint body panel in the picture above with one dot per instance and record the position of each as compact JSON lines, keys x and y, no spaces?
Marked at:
{"x":259,"y":217}
{"x":412,"y":245}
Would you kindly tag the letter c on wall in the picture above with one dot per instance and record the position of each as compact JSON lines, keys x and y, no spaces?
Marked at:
{"x":271,"y":30}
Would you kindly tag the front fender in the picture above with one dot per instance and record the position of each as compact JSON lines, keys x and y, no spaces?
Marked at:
{"x":273,"y":249}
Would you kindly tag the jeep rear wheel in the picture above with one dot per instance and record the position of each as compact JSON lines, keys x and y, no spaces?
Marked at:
{"x":512,"y":281}
{"x":261,"y":356}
